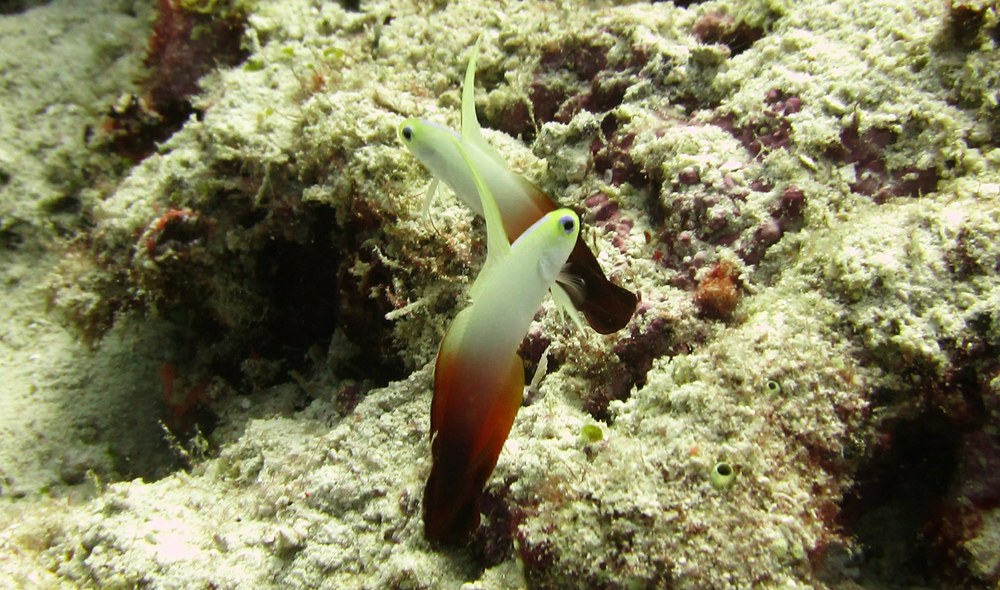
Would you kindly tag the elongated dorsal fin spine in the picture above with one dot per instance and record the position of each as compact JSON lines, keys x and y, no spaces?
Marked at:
{"x":497,"y":243}
{"x":472,"y":133}
{"x":470,"y":123}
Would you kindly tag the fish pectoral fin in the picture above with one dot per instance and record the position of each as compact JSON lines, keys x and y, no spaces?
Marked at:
{"x":429,"y":195}
{"x":564,"y":303}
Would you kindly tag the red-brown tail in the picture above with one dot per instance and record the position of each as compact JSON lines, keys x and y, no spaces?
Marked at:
{"x":471,"y":416}
{"x":606,"y":306}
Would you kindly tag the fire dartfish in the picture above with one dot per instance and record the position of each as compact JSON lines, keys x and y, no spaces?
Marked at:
{"x":582,"y":284}
{"x":479,"y":377}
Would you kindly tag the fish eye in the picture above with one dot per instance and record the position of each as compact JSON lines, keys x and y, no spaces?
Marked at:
{"x":568,"y":224}
{"x":407,"y":133}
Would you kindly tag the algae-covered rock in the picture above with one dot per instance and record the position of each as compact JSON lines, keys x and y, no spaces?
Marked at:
{"x":805,"y":195}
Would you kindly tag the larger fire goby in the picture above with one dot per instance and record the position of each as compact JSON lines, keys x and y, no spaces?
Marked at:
{"x":479,"y":377}
{"x":582,"y":283}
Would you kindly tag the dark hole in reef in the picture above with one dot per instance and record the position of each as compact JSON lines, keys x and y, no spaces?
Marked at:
{"x":178,"y":232}
{"x":296,"y":280}
{"x":362,"y":319}
{"x":69,"y":203}
{"x":636,"y":355}
{"x":896,"y":501}
{"x":493,"y":542}
{"x":18,"y":6}
{"x":311,"y":292}
{"x":10,"y":236}
{"x":514,"y":119}
{"x":965,"y":23}
{"x":302,"y":283}
{"x":680,"y":3}
{"x":738,"y":36}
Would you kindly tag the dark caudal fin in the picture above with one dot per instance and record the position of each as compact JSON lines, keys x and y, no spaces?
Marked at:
{"x":471,"y":415}
{"x":606,"y":306}
{"x":450,"y":514}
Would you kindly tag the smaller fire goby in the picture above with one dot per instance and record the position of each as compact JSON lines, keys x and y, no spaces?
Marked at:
{"x":581,"y":285}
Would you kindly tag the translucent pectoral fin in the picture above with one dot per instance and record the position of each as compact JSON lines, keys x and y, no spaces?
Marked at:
{"x":564,"y":303}
{"x":429,"y":195}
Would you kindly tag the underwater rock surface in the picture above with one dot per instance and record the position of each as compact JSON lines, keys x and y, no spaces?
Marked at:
{"x":220,"y":326}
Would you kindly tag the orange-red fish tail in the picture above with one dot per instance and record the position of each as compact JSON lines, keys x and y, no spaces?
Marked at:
{"x":471,"y":416}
